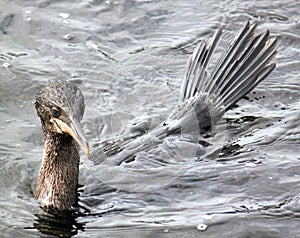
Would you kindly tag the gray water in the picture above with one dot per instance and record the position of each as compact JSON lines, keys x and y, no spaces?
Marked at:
{"x":128,"y":58}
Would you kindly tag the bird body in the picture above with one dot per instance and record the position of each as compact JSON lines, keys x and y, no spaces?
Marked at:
{"x":59,"y":188}
{"x":60,"y":107}
{"x":203,"y":99}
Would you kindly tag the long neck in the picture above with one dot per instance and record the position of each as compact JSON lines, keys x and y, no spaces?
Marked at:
{"x":58,"y":177}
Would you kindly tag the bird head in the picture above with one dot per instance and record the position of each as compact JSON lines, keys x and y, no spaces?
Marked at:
{"x":60,"y":105}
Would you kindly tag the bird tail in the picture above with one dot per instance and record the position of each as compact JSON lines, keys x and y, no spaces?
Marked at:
{"x":245,"y":63}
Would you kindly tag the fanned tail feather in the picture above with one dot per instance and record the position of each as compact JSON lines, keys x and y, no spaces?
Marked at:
{"x":203,"y":97}
{"x":238,"y":71}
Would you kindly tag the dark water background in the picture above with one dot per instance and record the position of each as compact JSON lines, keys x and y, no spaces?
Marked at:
{"x":128,"y":57}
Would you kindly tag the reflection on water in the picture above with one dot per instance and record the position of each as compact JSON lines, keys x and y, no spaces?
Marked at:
{"x":128,"y":57}
{"x":62,"y":225}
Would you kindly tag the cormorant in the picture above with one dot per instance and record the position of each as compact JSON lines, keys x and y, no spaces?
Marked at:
{"x":60,"y":106}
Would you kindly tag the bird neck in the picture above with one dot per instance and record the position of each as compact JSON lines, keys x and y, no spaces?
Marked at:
{"x":58,"y":177}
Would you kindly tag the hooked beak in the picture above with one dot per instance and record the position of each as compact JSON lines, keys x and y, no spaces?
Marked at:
{"x":73,"y":128}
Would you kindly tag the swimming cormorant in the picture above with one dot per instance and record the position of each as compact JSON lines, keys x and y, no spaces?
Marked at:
{"x":60,"y":106}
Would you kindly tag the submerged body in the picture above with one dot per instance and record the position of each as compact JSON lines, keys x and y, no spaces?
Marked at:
{"x":203,"y":99}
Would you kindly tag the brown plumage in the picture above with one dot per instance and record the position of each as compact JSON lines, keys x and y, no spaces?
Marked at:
{"x":60,"y":105}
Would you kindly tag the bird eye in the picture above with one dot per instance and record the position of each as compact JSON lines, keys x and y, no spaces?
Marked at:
{"x":55,"y":112}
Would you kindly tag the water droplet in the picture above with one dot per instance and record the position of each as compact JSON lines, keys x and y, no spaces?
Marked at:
{"x":5,"y":65}
{"x":68,"y":37}
{"x":201,"y":227}
{"x":250,"y":164}
{"x":64,"y":15}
